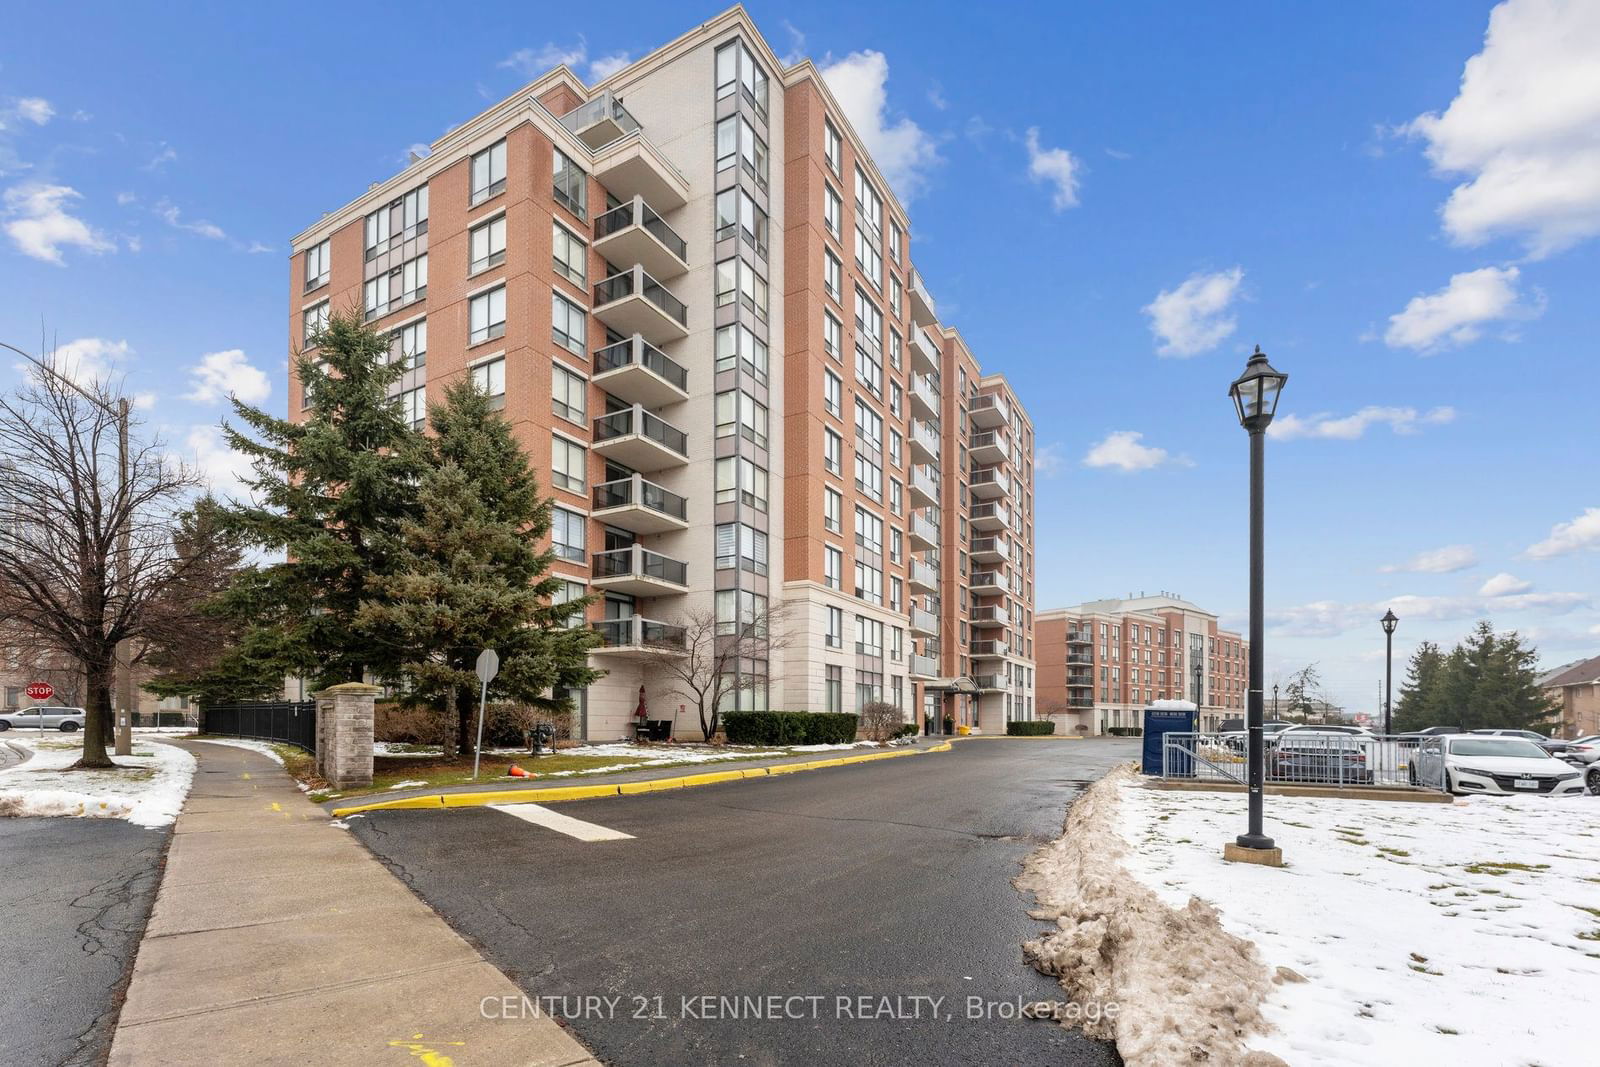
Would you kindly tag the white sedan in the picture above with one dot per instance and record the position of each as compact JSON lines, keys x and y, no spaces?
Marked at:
{"x":1486,"y":764}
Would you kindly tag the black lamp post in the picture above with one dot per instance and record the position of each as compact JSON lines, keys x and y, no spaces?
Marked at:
{"x":1274,"y":701}
{"x":1389,"y":622}
{"x":1255,"y":399}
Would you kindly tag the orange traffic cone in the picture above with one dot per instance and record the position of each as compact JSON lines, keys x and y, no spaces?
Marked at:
{"x":518,"y":772}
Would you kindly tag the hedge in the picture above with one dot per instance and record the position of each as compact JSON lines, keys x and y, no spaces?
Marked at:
{"x":1125,"y":731}
{"x":1037,"y":728}
{"x":789,"y":727}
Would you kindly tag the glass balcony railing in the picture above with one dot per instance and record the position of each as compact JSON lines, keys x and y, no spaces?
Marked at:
{"x":635,"y":490}
{"x":605,"y":108}
{"x":638,"y":213}
{"x":636,"y":420}
{"x":638,"y":562}
{"x":924,"y":574}
{"x":639,"y":632}
{"x":923,"y":666}
{"x":925,"y":481}
{"x":637,"y":282}
{"x":925,"y":621}
{"x":636,"y":351}
{"x":923,"y":528}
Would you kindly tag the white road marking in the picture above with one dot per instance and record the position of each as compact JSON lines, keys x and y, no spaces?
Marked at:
{"x":540,"y":815}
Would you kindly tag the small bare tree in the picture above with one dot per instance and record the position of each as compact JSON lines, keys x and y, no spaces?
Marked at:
{"x":87,"y":517}
{"x":713,"y":664}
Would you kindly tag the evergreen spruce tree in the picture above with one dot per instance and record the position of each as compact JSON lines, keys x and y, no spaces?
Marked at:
{"x":470,"y":575}
{"x":1412,"y":711}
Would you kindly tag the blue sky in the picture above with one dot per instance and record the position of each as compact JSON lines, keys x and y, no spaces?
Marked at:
{"x":1112,"y":203}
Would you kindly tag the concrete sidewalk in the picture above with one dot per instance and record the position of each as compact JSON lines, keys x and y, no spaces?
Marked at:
{"x":278,"y":939}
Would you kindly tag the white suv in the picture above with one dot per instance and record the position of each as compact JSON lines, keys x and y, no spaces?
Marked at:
{"x":67,"y":720}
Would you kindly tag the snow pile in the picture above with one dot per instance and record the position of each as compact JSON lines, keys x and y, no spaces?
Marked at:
{"x":148,"y":791}
{"x":408,"y":785}
{"x":832,"y":748}
{"x":263,"y":747}
{"x":1168,"y":984}
{"x":1428,"y":933}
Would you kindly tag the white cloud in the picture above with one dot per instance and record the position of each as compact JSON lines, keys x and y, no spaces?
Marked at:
{"x":605,"y":66}
{"x":125,"y":198}
{"x":1050,"y":460}
{"x":904,"y":151}
{"x":1524,"y":129}
{"x":1456,"y":314}
{"x":38,"y":223}
{"x":223,"y":469}
{"x":1446,"y":560}
{"x":936,"y":97}
{"x":163,"y":154}
{"x":34,"y":109}
{"x":1326,"y":618}
{"x":1053,"y":166}
{"x":1193,"y":318}
{"x":1121,"y":449}
{"x":220,"y":375}
{"x":1352,"y":427}
{"x":531,"y":62}
{"x":1566,"y":537}
{"x":1504,"y":584}
{"x":797,"y":44}
{"x":256,"y":248}
{"x":169,"y":212}
{"x":90,"y":360}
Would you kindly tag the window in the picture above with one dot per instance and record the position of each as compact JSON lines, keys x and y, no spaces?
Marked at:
{"x":409,"y":345}
{"x":737,"y":69}
{"x":488,"y":245}
{"x":571,"y":185}
{"x":869,"y":425}
{"x":832,"y":452}
{"x":739,"y":215}
{"x":869,"y":582}
{"x":736,"y":279}
{"x":894,"y":349}
{"x":869,"y":228}
{"x":569,"y":592}
{"x":490,"y":378}
{"x":832,"y":275}
{"x":869,"y":637}
{"x":569,"y":323}
{"x":834,"y":688}
{"x":743,"y":546}
{"x":313,"y":320}
{"x":739,"y":611}
{"x":896,"y":238}
{"x":739,"y":412}
{"x":895,"y":495}
{"x":568,"y":393}
{"x":869,"y":530}
{"x":869,"y":477}
{"x":414,"y":279}
{"x":830,"y":145}
{"x":895,"y":445}
{"x":738,"y":344}
{"x":737,"y":142}
{"x":375,"y":295}
{"x":832,"y":391}
{"x":832,"y":510}
{"x":894,"y":295}
{"x":566,"y":534}
{"x":897,"y":399}
{"x":896,"y":544}
{"x":414,"y":407}
{"x":835,"y":637}
{"x":489,"y":172}
{"x":741,"y":480}
{"x":486,"y":314}
{"x":571,"y":255}
{"x":567,"y":459}
{"x":869,"y":343}
{"x":832,"y":209}
{"x":401,"y":219}
{"x":832,"y":335}
{"x":832,"y":567}
{"x":318,"y":264}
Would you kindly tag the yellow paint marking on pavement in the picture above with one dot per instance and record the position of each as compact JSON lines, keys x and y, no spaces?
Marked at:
{"x":540,"y":815}
{"x":429,"y":1057}
{"x":276,"y":806}
{"x":245,"y":775}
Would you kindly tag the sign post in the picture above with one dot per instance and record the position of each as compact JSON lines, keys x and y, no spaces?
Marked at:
{"x":488,"y":667}
{"x":39,"y":692}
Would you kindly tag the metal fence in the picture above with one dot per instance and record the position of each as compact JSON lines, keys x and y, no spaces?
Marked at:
{"x":292,"y":723}
{"x":1345,"y":761}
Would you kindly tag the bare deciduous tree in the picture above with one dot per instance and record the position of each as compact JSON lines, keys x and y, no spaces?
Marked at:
{"x":86,"y":529}
{"x":713,"y":663}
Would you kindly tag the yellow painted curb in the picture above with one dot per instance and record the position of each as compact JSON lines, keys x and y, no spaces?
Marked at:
{"x":522,"y":796}
{"x":711,"y":778}
{"x":434,"y":801}
{"x":653,"y":786}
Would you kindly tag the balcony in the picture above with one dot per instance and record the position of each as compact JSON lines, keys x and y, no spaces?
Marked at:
{"x":924,"y":623}
{"x":923,"y":533}
{"x":1080,"y":637}
{"x":1082,"y":681}
{"x":1080,"y":702}
{"x":990,"y":550}
{"x":990,"y":683}
{"x":1083,"y":658}
{"x":637,"y":635}
{"x":923,"y":310}
{"x":922,"y":666}
{"x":634,"y":302}
{"x":988,"y":447}
{"x":922,"y":577}
{"x":927,"y":355}
{"x":925,"y":396}
{"x":600,"y":121}
{"x":632,"y":166}
{"x":632,"y":232}
{"x":989,"y":649}
{"x":639,"y":572}
{"x":924,"y":441}
{"x":989,"y":411}
{"x":639,"y":439}
{"x":640,"y":506}
{"x":638,"y":372}
{"x":924,"y":488}
{"x":990,"y":615}
{"x":990,"y":517}
{"x":989,"y":483}
{"x":989,"y":583}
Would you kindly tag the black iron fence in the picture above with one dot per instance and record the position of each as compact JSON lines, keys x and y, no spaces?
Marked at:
{"x":292,"y":723}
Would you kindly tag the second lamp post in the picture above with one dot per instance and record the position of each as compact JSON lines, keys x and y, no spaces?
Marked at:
{"x":1389,"y":622}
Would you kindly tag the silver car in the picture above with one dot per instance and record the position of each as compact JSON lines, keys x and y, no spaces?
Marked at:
{"x":67,"y":720}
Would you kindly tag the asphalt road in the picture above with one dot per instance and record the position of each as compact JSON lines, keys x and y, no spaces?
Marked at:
{"x":878,"y":896}
{"x":76,"y":894}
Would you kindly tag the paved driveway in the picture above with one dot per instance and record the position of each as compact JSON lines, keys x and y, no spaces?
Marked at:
{"x":874,"y":901}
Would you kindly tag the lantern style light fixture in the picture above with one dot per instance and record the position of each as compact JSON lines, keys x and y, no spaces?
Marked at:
{"x":1255,"y":392}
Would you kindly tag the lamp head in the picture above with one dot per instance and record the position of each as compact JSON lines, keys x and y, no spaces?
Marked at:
{"x":1255,"y":392}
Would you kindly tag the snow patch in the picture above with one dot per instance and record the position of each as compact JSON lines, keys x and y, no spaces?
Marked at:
{"x":263,"y":747}
{"x":45,"y":786}
{"x":408,"y":785}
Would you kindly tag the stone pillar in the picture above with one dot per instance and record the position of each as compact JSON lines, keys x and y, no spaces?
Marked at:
{"x":344,"y":733}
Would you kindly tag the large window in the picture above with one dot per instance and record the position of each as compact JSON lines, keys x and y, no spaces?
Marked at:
{"x":869,"y":425}
{"x":400,"y":219}
{"x":489,"y":172}
{"x":488,"y":245}
{"x":571,"y":185}
{"x":832,"y":335}
{"x":738,"y":70}
{"x":319,"y":264}
{"x":869,"y":228}
{"x":869,"y":476}
{"x":869,"y":344}
{"x":567,"y":393}
{"x":567,"y":460}
{"x":569,"y":324}
{"x":738,"y":280}
{"x":869,"y":582}
{"x":832,"y":510}
{"x":313,"y":320}
{"x":832,"y":275}
{"x":567,"y":534}
{"x":832,"y":391}
{"x":832,"y":209}
{"x":832,"y":452}
{"x":570,"y":254}
{"x":738,"y":345}
{"x":569,"y":592}
{"x":742,"y":546}
{"x":741,"y":612}
{"x":737,"y":142}
{"x":869,"y":530}
{"x":409,"y":345}
{"x":832,"y":567}
{"x":741,"y":480}
{"x":414,"y":407}
{"x":834,"y":689}
{"x":739,"y":412}
{"x":486,"y":314}
{"x":830,"y":145}
{"x":490,"y":379}
{"x":835,"y":638}
{"x":739,"y":215}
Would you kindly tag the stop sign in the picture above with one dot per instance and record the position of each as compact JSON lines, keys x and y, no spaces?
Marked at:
{"x":40,"y":690}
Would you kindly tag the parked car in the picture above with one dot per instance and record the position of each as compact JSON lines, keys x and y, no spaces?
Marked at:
{"x":1239,"y":739}
{"x":1552,"y":745}
{"x":1582,"y":751}
{"x":1329,"y":754}
{"x":64,"y":719}
{"x":1591,"y":775}
{"x":1488,"y":763}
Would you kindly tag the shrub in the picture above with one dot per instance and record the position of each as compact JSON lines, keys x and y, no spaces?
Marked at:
{"x":789,"y":728}
{"x":908,"y":730}
{"x":1125,"y":731}
{"x":881,"y":720}
{"x":1037,"y":728}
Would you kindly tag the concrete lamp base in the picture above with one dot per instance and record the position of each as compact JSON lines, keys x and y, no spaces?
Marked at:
{"x":1233,"y":852}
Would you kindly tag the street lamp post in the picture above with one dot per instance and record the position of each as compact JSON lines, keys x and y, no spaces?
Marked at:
{"x":1389,"y":622}
{"x":1274,"y":701}
{"x":1255,"y":397}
